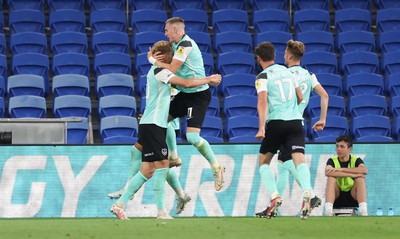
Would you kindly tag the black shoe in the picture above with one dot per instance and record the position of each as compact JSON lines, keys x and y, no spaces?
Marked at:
{"x":263,"y":214}
{"x":315,"y":202}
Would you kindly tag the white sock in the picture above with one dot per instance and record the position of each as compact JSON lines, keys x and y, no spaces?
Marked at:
{"x":173,"y":154}
{"x":328,"y":209}
{"x":179,"y":192}
{"x":215,"y":166}
{"x":363,"y":208}
{"x":274,"y":195}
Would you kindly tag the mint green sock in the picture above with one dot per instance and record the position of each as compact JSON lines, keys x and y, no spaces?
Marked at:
{"x":136,"y":161}
{"x":202,"y":146}
{"x":160,"y":176}
{"x":304,"y":176}
{"x":289,"y":165}
{"x":268,"y":178}
{"x":283,"y":177}
{"x":171,"y":138}
{"x":134,"y":185}
{"x":173,"y":181}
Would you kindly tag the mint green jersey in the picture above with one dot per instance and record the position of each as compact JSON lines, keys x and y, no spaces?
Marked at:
{"x":158,"y":97}
{"x":279,"y":83}
{"x":187,"y":51}
{"x":307,"y":82}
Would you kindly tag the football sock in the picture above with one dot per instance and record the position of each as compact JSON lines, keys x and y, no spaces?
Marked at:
{"x":363,"y":208}
{"x":304,"y":177}
{"x":159,"y":187}
{"x":328,"y":209}
{"x":134,"y":185}
{"x":136,"y":161}
{"x":204,"y":148}
{"x":171,"y":142}
{"x":283,"y":176}
{"x":268,"y":178}
{"x":173,"y":181}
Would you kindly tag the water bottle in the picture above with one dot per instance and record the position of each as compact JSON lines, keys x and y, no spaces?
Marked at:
{"x":391,"y":212}
{"x":379,"y":212}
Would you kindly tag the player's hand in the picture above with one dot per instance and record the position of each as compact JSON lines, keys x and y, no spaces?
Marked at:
{"x":152,"y":58}
{"x":260,"y":134}
{"x":319,"y":125}
{"x":215,"y":79}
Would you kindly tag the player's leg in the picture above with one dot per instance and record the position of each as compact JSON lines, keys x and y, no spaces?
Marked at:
{"x":183,"y":198}
{"x":174,"y":159}
{"x":359,"y":193}
{"x":331,"y":193}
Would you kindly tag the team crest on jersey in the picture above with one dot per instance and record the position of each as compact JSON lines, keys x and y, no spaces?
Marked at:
{"x":164,"y":151}
{"x":180,"y":50}
{"x":258,"y":84}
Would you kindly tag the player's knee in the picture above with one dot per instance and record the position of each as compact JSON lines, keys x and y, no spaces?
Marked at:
{"x":194,"y":138}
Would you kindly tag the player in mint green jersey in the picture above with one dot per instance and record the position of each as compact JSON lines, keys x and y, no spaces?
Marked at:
{"x":151,"y":144}
{"x":190,"y":101}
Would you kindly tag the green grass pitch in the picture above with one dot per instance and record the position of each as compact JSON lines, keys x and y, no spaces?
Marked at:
{"x":207,"y":228}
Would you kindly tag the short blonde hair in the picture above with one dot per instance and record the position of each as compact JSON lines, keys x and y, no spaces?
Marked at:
{"x":296,"y":48}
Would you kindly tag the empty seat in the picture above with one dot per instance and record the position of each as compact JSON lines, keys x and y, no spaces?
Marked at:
{"x":142,"y":41}
{"x":71,"y":63}
{"x":3,"y":68}
{"x":392,"y":84}
{"x":26,"y":21}
{"x":270,"y":4}
{"x":320,"y":62}
{"x":107,"y":20}
{"x":195,"y":19}
{"x":359,"y":62}
{"x":202,"y":39}
{"x":69,"y":42}
{"x":27,"y":106}
{"x":336,"y":106}
{"x":396,"y":128}
{"x":25,"y":84}
{"x":390,"y":63}
{"x":70,"y":84}
{"x":110,"y":41}
{"x":394,"y":106}
{"x":66,"y":106}
{"x":1,"y":22}
{"x":147,"y":4}
{"x":242,"y":129}
{"x":334,"y":127}
{"x":388,"y":41}
{"x":67,"y":20}
{"x":148,"y":20}
{"x":278,"y":39}
{"x":317,"y":40}
{"x":28,"y":42}
{"x":211,"y":130}
{"x":387,"y":20}
{"x":106,"y":4}
{"x":77,"y":132}
{"x":352,"y":19}
{"x":355,"y":41}
{"x":140,"y":85}
{"x":233,"y":41}
{"x":332,"y":83}
{"x":360,"y":105}
{"x":228,"y":4}
{"x":187,"y":4}
{"x":142,"y":64}
{"x":214,"y":107}
{"x":121,"y":129}
{"x":370,"y":125}
{"x":310,"y":4}
{"x":235,"y":62}
{"x":364,"y":83}
{"x":3,"y":88}
{"x":208,"y":61}
{"x":230,"y":20}
{"x":114,"y":84}
{"x":271,"y":20}
{"x":112,"y":62}
{"x":374,"y":139}
{"x":383,"y":4}
{"x":311,"y":20}
{"x":117,"y":105}
{"x":3,"y":44}
{"x":56,"y":5}
{"x":238,"y":84}
{"x":362,"y":4}
{"x":2,"y":107}
{"x":236,"y":105}
{"x":26,"y":4}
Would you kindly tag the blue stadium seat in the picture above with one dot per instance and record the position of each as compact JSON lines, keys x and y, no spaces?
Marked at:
{"x":392,"y":84}
{"x":371,"y":125}
{"x":317,"y":40}
{"x":235,"y":62}
{"x":359,"y":62}
{"x":195,"y":19}
{"x":390,"y":63}
{"x":278,"y":39}
{"x":362,"y":4}
{"x":69,"y":42}
{"x":32,"y":63}
{"x":360,"y":105}
{"x":142,"y":65}
{"x":374,"y":139}
{"x":106,"y":4}
{"x":118,"y":129}
{"x":364,"y":83}
{"x":383,"y":4}
{"x":355,"y":41}
{"x":148,"y":20}
{"x":71,"y":63}
{"x":208,"y":61}
{"x":142,"y":41}
{"x":334,"y":127}
{"x":27,"y":106}
{"x":320,"y":62}
{"x":388,"y":41}
{"x":332,"y":83}
{"x":112,"y":62}
{"x":67,"y":106}
{"x":387,"y":20}
{"x":236,"y":105}
{"x":67,"y":20}
{"x":1,"y":22}
{"x":211,"y":130}
{"x":56,"y":5}
{"x":3,"y":88}
{"x":242,"y":129}
{"x":187,"y":4}
{"x":214,"y":107}
{"x":108,"y":20}
{"x":3,"y":44}
{"x":271,"y":20}
{"x":70,"y":84}
{"x":117,"y":105}
{"x":77,"y":132}
{"x":230,"y":20}
{"x":336,"y":106}
{"x":311,"y":20}
{"x":25,"y":84}
{"x":140,"y":85}
{"x":310,"y":4}
{"x":28,"y":42}
{"x":270,"y":4}
{"x":202,"y":39}
{"x":3,"y":68}
{"x":227,"y":4}
{"x":26,"y":4}
{"x":2,"y":107}
{"x":142,"y":104}
{"x":394,"y":107}
{"x":396,"y":128}
{"x":26,"y":21}
{"x":352,"y":19}
{"x":110,"y":41}
{"x":238,"y":84}
{"x":114,"y":84}
{"x":147,"y":4}
{"x":232,"y":41}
